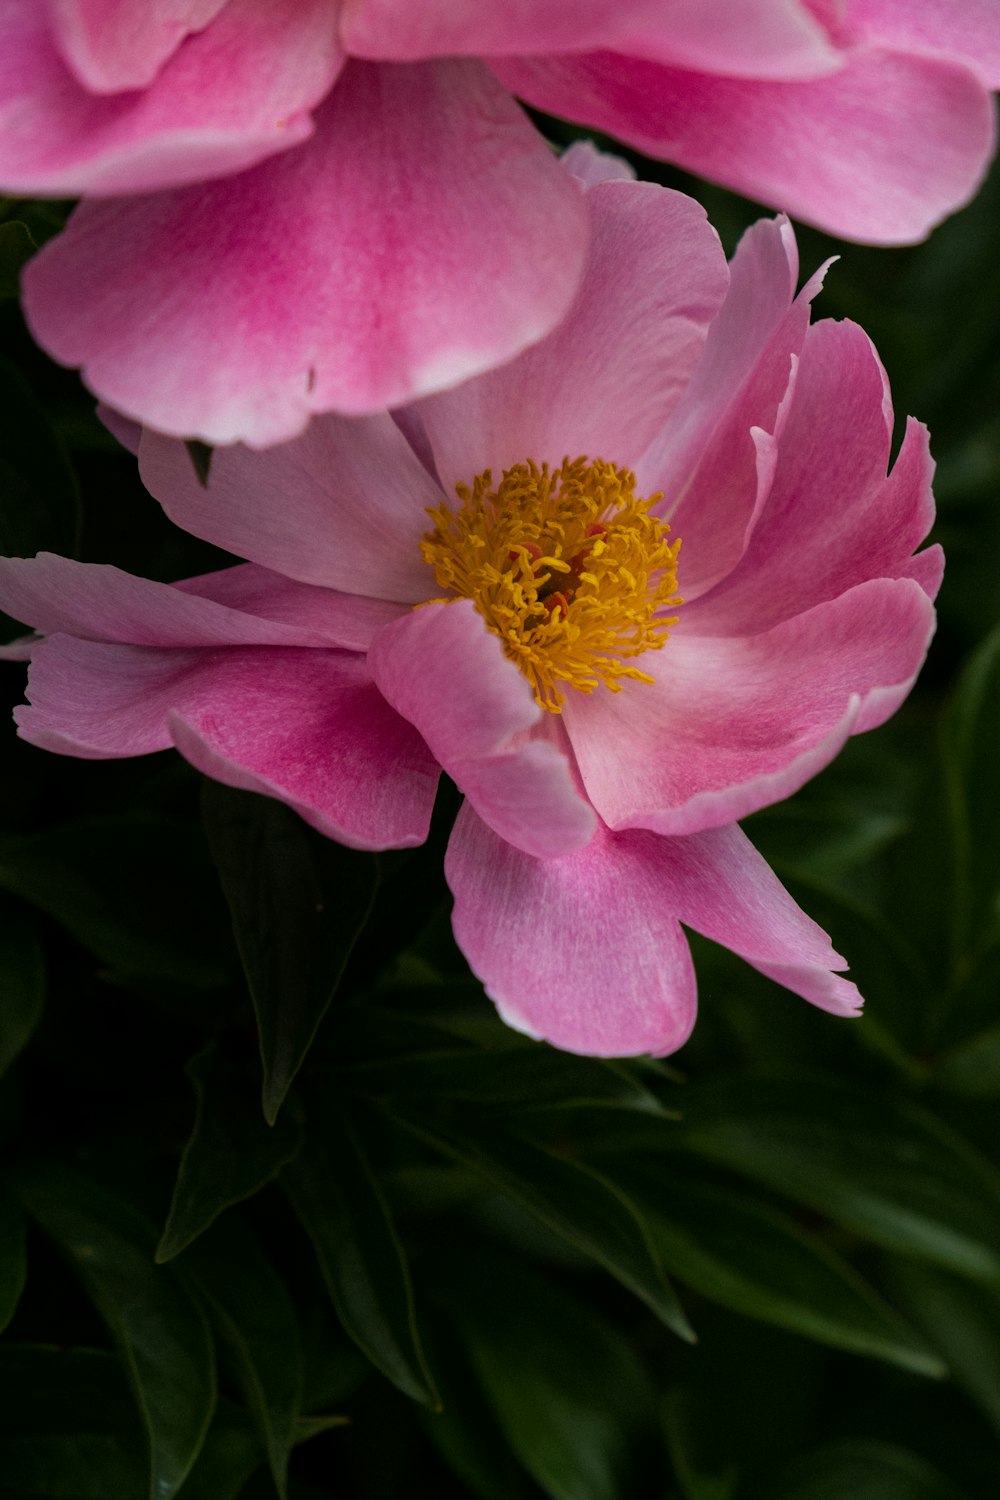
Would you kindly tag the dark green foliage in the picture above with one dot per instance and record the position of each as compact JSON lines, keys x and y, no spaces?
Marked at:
{"x":407,"y":1252}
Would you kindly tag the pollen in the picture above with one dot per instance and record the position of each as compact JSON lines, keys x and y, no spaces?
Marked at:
{"x":566,"y":566}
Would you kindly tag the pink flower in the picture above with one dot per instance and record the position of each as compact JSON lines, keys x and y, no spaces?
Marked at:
{"x":297,"y":206}
{"x":527,"y":636}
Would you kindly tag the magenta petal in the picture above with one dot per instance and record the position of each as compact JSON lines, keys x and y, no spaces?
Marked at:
{"x":583,"y":951}
{"x":443,"y":671}
{"x":879,"y":151}
{"x":758,"y":38}
{"x":731,"y":725}
{"x":101,"y":603}
{"x":604,"y":382}
{"x":237,"y":92}
{"x":434,"y":236}
{"x":832,"y":519}
{"x":305,"y":726}
{"x":343,"y":506}
{"x":113,"y":45}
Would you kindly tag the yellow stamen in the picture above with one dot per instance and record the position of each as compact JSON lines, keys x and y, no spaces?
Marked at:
{"x":568,"y":568}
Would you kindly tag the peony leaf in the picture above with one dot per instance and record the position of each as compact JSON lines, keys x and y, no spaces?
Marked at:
{"x":963,"y":1323}
{"x":876,"y":1471}
{"x":22,"y":978}
{"x":298,"y":903}
{"x":230,"y":1154}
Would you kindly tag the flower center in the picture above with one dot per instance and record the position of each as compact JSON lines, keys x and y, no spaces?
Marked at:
{"x":567,"y":567}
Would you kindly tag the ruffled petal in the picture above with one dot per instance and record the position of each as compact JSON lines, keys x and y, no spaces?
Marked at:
{"x":305,"y":726}
{"x":236,"y":93}
{"x":111,"y":45}
{"x":582,"y":951}
{"x":878,"y":152}
{"x":443,"y":671}
{"x":752,"y":38}
{"x":731,"y":725}
{"x":101,"y":603}
{"x":423,"y":234}
{"x":343,"y":506}
{"x":607,"y":378}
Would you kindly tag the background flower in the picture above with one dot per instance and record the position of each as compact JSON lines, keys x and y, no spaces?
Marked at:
{"x":298,"y":206}
{"x":595,"y":821}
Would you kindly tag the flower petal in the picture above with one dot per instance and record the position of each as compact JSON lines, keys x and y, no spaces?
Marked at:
{"x":606,"y":379}
{"x":754,"y":38}
{"x":443,"y":671}
{"x":966,"y":30}
{"x":101,"y":603}
{"x":581,"y":951}
{"x":731,"y":725}
{"x":343,"y":506}
{"x":832,"y":519}
{"x":327,"y":617}
{"x":305,"y":726}
{"x":113,"y":45}
{"x":878,"y":152}
{"x":234,"y":94}
{"x":423,"y":234}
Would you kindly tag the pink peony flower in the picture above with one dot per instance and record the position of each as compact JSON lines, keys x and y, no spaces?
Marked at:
{"x":452,"y":587}
{"x":297,"y":206}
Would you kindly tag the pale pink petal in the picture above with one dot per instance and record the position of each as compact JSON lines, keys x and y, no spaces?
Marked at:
{"x":128,"y":433}
{"x":443,"y":671}
{"x":234,"y":94}
{"x":425,"y":233}
{"x":101,"y":603}
{"x":731,"y":725}
{"x":582,"y":951}
{"x":832,"y":518}
{"x":113,"y":45}
{"x":607,"y":378}
{"x":328,"y":617}
{"x":878,"y":152}
{"x":590,"y":165}
{"x":305,"y":726}
{"x":344,"y":506}
{"x":714,"y":458}
{"x":753,"y":38}
{"x":966,"y":30}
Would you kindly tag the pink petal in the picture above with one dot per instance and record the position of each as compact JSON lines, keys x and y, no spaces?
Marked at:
{"x":590,"y":165}
{"x":237,"y":92}
{"x":581,"y":951}
{"x":113,"y":45}
{"x":443,"y":671}
{"x":830,"y":506}
{"x":754,"y":38}
{"x":425,"y":233}
{"x":325,"y":616}
{"x":731,"y":725}
{"x":102,"y":603}
{"x":607,"y":378}
{"x":878,"y":152}
{"x":714,"y":458}
{"x":343,"y":506}
{"x":305,"y":726}
{"x":966,"y":30}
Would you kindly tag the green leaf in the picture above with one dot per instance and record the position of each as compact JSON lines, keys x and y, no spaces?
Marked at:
{"x":702,"y":1472}
{"x":341,"y":1207}
{"x":252,"y":1309}
{"x":22,"y":979}
{"x":13,"y":1263}
{"x":972,"y":767}
{"x":67,"y":1426}
{"x":883,"y":1167}
{"x":113,"y":885}
{"x":298,"y":902}
{"x":758,"y":1262}
{"x":972,"y":1068}
{"x":39,"y":499}
{"x":232,"y":1152}
{"x":859,"y":1471}
{"x":16,"y":249}
{"x":574,"y":1201}
{"x":962,"y":1320}
{"x":564,"y":1386}
{"x":161,"y":1332}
